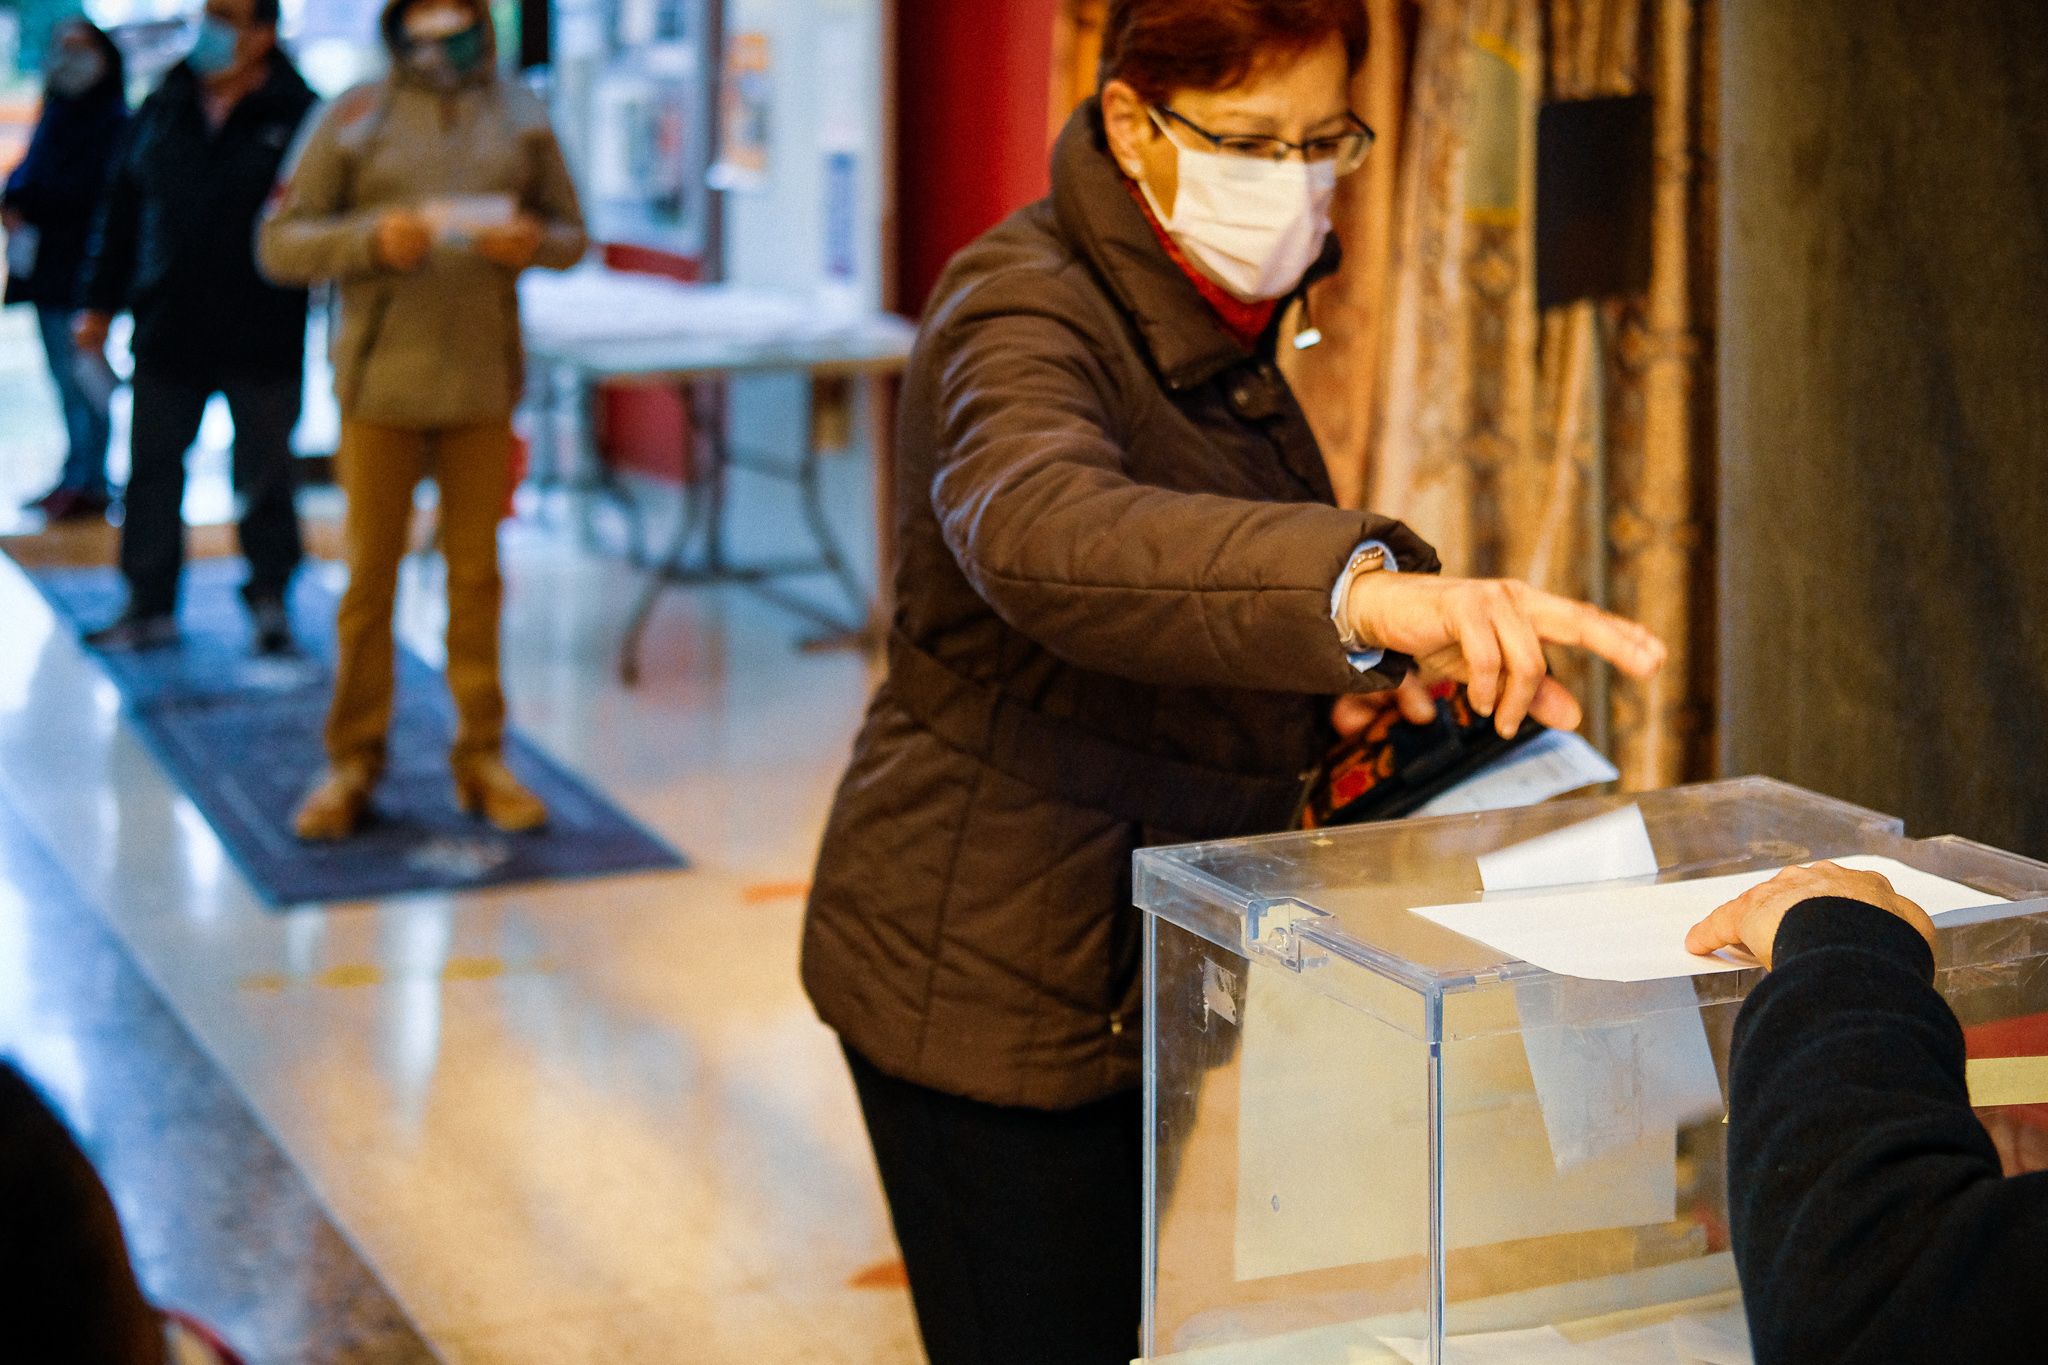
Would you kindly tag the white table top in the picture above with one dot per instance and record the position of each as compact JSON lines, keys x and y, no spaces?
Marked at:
{"x":617,"y":324}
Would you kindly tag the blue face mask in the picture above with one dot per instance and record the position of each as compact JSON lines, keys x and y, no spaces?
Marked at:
{"x":213,"y":46}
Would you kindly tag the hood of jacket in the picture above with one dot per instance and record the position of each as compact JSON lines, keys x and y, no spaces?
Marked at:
{"x":284,"y":91}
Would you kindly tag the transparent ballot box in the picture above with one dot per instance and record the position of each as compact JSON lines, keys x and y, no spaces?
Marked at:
{"x":1373,"y":1139}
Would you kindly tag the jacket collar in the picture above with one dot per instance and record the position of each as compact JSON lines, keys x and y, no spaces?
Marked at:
{"x":283,"y":89}
{"x":1098,"y":215}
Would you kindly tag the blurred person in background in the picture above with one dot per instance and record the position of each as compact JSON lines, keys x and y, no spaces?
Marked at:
{"x":175,"y":246}
{"x":68,"y":1291}
{"x":1125,"y":607}
{"x":421,"y":197}
{"x":47,"y":208}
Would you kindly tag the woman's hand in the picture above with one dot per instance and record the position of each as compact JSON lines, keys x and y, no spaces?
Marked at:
{"x":89,"y":331}
{"x":401,"y":240}
{"x":514,"y":245}
{"x":1750,"y":922}
{"x":1489,"y":634}
{"x":1354,"y":713}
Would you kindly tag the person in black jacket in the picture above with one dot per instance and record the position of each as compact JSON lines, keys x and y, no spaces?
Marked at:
{"x":49,"y":201}
{"x":1871,"y":1222}
{"x":176,"y":246}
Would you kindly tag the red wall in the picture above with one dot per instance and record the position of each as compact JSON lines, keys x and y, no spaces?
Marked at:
{"x":973,"y":91}
{"x":648,"y":430}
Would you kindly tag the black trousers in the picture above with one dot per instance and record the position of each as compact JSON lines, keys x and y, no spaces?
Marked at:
{"x":1021,"y":1229}
{"x":168,"y":409}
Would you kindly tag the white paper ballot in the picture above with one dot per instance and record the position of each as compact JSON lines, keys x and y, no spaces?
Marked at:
{"x":1696,"y":1339}
{"x":1607,"y":848}
{"x":1536,"y":1346}
{"x":1613,"y":1062}
{"x":1597,"y":1158}
{"x":1714,"y":1338}
{"x":459,"y":218}
{"x":1629,"y":1061}
{"x":1637,"y":933}
{"x":1551,"y":765}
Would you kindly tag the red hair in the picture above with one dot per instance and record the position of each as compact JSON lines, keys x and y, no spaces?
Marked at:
{"x":1159,"y":46}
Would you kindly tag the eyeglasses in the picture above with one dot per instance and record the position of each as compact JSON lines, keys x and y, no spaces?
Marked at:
{"x":1346,"y":150}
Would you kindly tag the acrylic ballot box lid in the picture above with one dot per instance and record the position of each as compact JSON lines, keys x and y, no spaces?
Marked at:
{"x":1373,"y":1140}
{"x":1349,"y":891}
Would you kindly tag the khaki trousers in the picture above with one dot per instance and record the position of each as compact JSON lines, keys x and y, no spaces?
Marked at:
{"x":379,"y":468}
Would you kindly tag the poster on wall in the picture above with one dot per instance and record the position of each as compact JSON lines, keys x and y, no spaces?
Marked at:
{"x":641,"y":148}
{"x":842,"y":218}
{"x":745,"y":105}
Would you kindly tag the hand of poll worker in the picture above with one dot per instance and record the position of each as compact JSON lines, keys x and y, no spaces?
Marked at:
{"x":514,"y":245}
{"x":1354,"y":713}
{"x":89,"y":331}
{"x":1489,"y":634}
{"x":402,"y":240}
{"x":1750,"y":921}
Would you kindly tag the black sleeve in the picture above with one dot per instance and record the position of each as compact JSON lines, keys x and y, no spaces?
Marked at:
{"x":60,"y":179}
{"x":110,"y":251}
{"x":1870,"y":1220}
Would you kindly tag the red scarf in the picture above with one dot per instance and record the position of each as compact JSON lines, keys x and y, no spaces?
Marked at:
{"x":1246,"y":322}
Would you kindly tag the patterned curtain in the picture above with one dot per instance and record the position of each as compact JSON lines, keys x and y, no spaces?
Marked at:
{"x":1572,"y":447}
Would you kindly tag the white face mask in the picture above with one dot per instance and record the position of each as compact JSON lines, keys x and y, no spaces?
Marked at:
{"x":1254,"y":226}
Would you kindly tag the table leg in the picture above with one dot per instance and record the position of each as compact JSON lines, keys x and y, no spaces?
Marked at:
{"x":546,"y":474}
{"x":715,"y":402}
{"x":673,"y":568}
{"x":811,"y":498}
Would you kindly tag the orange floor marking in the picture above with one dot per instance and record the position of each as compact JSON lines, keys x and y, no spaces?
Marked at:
{"x":760,"y":893}
{"x":885,"y":1275}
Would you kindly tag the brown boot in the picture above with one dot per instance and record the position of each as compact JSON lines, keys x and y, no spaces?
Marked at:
{"x":486,"y":787}
{"x":336,"y":807}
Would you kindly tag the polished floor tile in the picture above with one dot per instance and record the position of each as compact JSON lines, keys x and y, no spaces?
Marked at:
{"x":218,"y":1221}
{"x":588,"y":1120}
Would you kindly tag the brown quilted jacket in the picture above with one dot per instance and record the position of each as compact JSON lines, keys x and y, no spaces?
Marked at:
{"x":1113,"y":630}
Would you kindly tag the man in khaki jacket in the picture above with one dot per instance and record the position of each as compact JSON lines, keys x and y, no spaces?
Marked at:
{"x":421,"y":197}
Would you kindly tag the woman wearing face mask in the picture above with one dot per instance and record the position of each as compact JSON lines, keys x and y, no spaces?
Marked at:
{"x":48,"y":208}
{"x":422,"y":196}
{"x":1124,"y":605}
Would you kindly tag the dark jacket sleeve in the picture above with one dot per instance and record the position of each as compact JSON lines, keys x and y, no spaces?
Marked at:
{"x":1871,"y":1223}
{"x":110,"y":255}
{"x":23,"y":192}
{"x":1125,"y":578}
{"x":63,"y":174}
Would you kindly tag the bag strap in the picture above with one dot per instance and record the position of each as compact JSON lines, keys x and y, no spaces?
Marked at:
{"x":1069,"y":763}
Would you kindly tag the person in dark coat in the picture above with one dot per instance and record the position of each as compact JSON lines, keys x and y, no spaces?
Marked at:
{"x":48,"y":203}
{"x":1871,"y":1220}
{"x":1124,"y":605}
{"x":175,"y":245}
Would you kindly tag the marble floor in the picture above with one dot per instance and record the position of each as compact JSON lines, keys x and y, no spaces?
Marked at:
{"x":580,"y":1122}
{"x":218,"y":1222}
